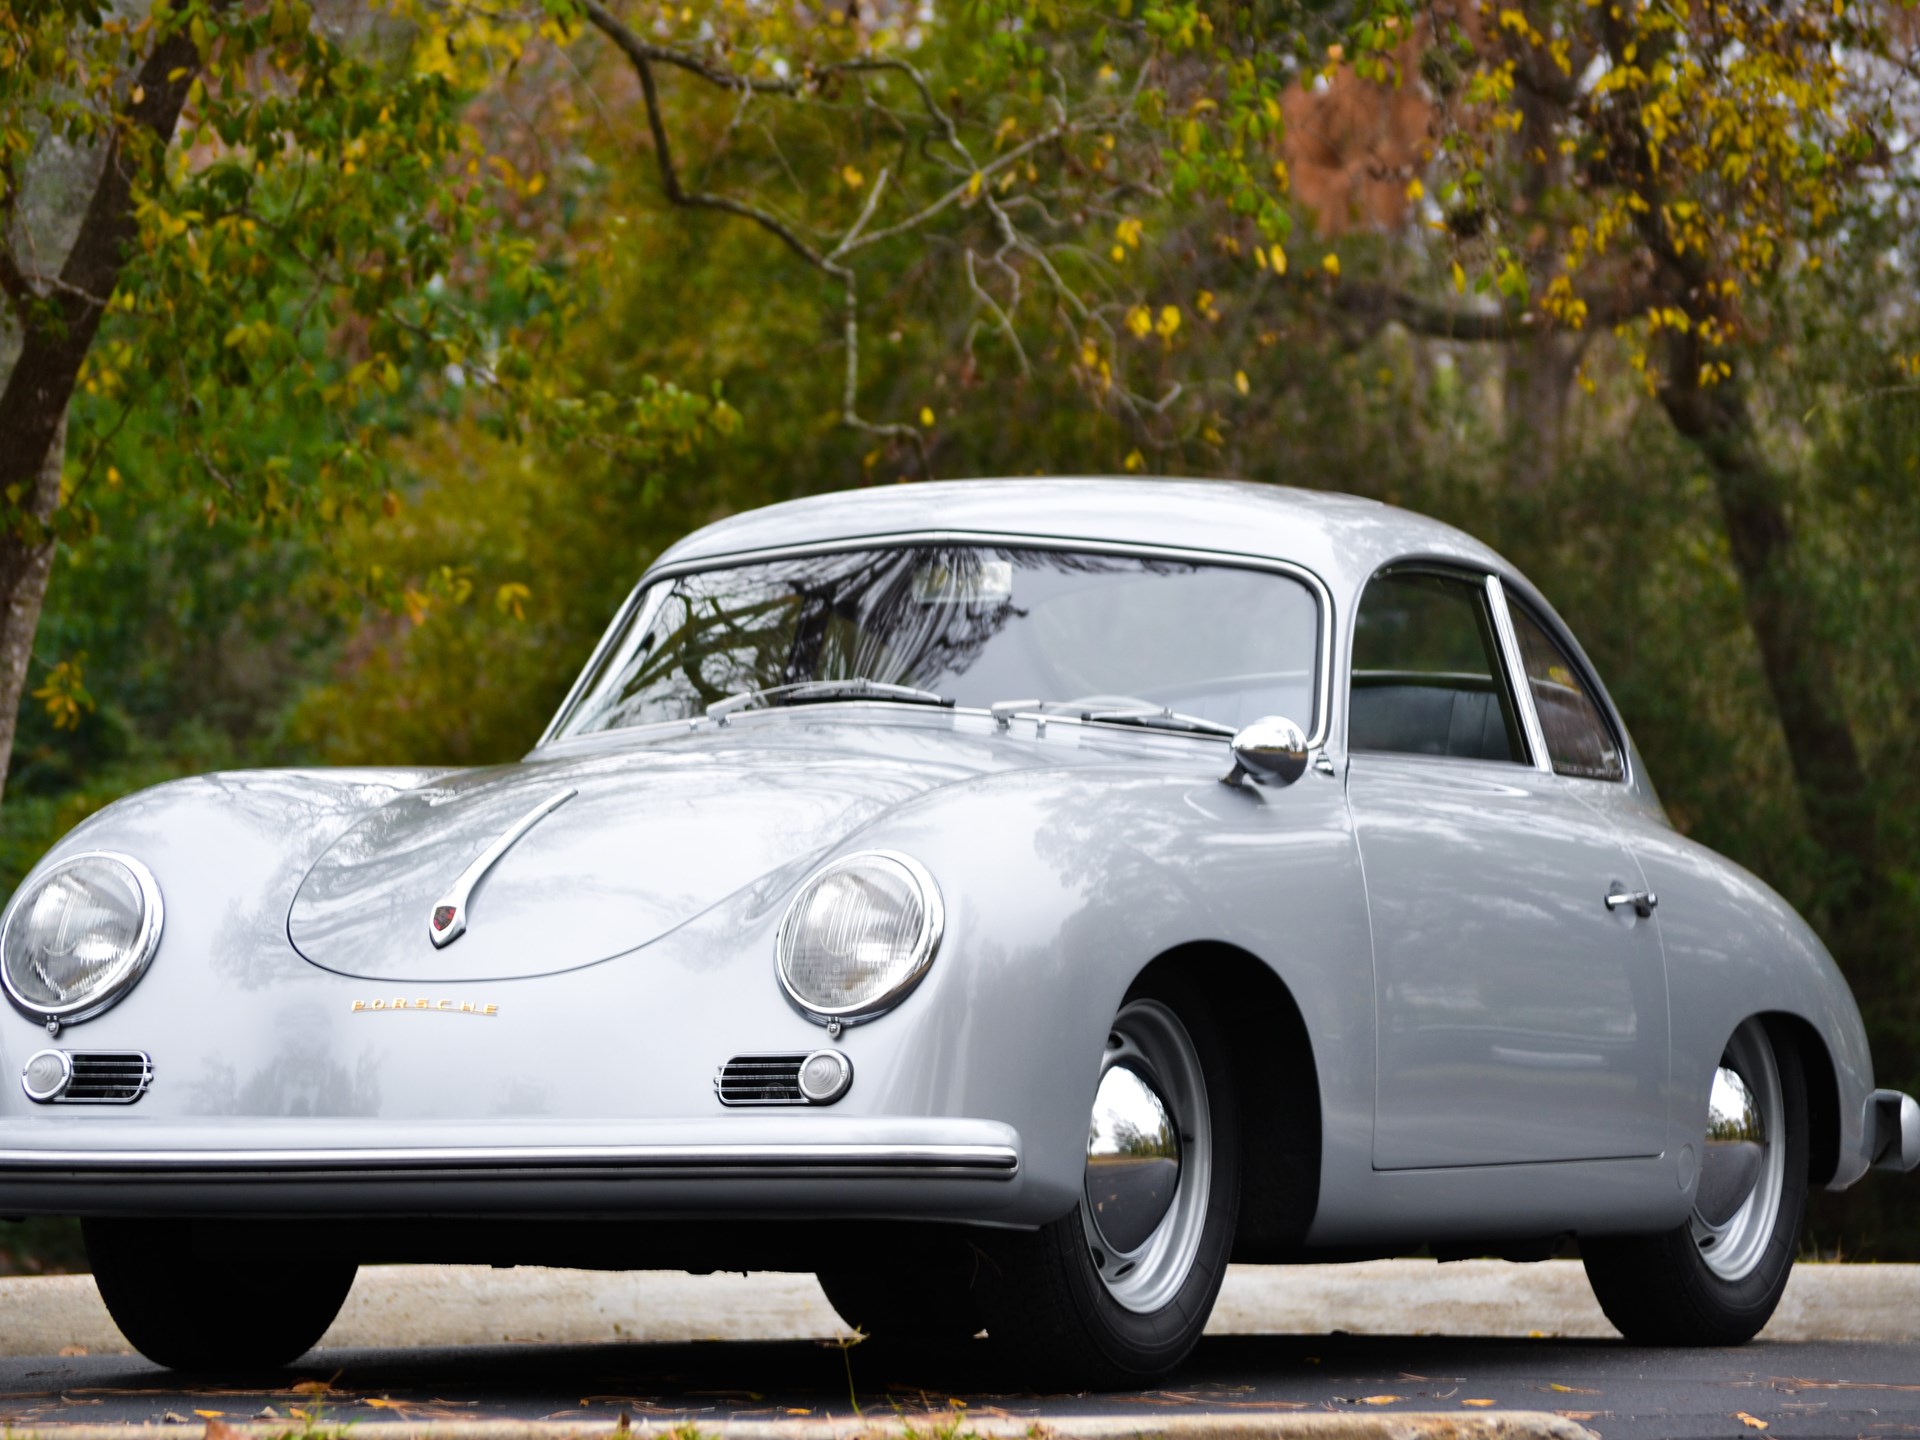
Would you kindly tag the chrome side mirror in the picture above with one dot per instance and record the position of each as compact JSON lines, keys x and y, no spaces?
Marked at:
{"x":1272,"y":751}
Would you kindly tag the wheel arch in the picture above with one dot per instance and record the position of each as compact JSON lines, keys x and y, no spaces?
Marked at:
{"x":1276,"y":1079}
{"x":1785,"y":1029}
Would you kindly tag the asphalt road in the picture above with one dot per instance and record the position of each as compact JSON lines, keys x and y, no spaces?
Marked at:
{"x":1818,"y":1388}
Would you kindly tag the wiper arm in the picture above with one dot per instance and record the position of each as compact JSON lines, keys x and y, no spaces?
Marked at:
{"x":856,"y":687}
{"x":1157,"y":717}
{"x":1160,"y":718}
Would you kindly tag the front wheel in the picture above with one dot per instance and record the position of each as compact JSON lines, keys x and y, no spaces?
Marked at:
{"x":208,"y":1312}
{"x":1117,"y":1292}
{"x":915,"y":1293}
{"x":1717,"y":1278}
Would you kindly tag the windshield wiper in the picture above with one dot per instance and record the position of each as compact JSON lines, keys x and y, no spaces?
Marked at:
{"x":1156,"y":717}
{"x":801,"y":691}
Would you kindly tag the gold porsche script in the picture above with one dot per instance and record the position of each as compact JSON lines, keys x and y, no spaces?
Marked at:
{"x":450,"y":1007}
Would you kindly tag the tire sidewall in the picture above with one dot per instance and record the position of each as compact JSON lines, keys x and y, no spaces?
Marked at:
{"x":1155,"y":1341}
{"x":1754,"y":1296}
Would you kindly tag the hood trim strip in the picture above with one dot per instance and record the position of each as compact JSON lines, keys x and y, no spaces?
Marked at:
{"x":447,"y":921}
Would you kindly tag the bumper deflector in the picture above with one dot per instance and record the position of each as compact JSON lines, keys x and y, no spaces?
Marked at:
{"x":1893,"y":1130}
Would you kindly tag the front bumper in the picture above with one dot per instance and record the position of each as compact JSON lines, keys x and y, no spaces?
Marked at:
{"x":944,"y":1169}
{"x":1892,"y":1125}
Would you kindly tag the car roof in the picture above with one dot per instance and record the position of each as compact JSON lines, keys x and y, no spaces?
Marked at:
{"x":1341,"y":538}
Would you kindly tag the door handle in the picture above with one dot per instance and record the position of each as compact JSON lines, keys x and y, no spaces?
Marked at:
{"x":1642,"y":901}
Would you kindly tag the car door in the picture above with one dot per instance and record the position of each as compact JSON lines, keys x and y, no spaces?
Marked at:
{"x":1519,"y":1016}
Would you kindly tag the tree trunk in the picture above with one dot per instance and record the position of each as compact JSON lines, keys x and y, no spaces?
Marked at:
{"x":1782,"y":609}
{"x":59,"y":325}
{"x":24,"y":569}
{"x":1537,"y":385}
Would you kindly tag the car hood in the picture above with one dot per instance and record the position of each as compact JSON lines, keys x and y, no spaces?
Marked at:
{"x":654,"y":834}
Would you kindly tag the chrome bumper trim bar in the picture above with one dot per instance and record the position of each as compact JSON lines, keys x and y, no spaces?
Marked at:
{"x":994,"y":1162}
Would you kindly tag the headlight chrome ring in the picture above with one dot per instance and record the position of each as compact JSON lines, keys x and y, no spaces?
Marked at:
{"x":128,"y":955}
{"x":858,"y":935}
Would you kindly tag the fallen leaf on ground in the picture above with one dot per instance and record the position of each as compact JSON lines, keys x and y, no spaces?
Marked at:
{"x":209,"y":1414}
{"x":1379,"y":1399}
{"x":1478,"y":1404}
{"x":1750,"y":1421}
{"x":1560,"y":1389}
{"x":799,"y":1411}
{"x":68,"y":1352}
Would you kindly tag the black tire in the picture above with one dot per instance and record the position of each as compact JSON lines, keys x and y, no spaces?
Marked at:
{"x":196,"y":1309}
{"x":1050,"y":1316}
{"x":920,"y":1295}
{"x":1659,"y":1289}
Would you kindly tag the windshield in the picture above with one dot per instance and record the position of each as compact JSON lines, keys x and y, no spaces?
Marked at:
{"x":974,"y":623}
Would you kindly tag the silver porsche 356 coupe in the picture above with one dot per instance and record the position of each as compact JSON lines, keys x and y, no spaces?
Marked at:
{"x":1010,"y":901}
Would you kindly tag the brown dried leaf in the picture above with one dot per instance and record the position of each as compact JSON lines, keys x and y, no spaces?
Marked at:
{"x":1479,"y":1404}
{"x":68,"y":1352}
{"x":1560,"y":1389}
{"x":1752,"y":1422}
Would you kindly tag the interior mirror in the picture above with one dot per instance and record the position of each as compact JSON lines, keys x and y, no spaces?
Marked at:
{"x":1272,"y":751}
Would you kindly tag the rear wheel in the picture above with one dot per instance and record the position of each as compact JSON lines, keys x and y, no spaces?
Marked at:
{"x":1716,"y":1279}
{"x":203,"y":1310}
{"x":1118,"y":1291}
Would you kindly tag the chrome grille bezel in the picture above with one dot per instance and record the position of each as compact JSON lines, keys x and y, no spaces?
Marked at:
{"x":765,"y":1078}
{"x":97,"y":1077}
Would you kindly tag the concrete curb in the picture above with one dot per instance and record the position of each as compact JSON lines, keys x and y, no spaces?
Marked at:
{"x":1273,"y":1425}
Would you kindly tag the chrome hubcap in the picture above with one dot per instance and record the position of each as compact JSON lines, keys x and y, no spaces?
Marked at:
{"x":1149,"y":1159}
{"x":1744,"y":1159}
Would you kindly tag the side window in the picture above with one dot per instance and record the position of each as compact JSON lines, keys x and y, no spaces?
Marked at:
{"x":1579,"y":740}
{"x":1426,"y":675}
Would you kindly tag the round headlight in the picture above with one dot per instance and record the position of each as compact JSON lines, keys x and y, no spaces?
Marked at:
{"x":78,"y":937}
{"x":859,"y":935}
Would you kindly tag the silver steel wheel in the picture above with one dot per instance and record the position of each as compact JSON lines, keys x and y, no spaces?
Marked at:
{"x":1744,"y":1165}
{"x":1149,"y":1159}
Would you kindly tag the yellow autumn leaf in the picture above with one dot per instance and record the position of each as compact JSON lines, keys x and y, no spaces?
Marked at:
{"x":974,"y":184}
{"x":1415,"y":191}
{"x":1459,"y":279}
{"x":1750,"y":1421}
{"x":852,"y":178}
{"x":511,"y":599}
{"x":1331,"y":264}
{"x":1279,"y":259}
{"x":1478,"y":1404}
{"x":1240,"y":381}
{"x":1135,"y":462}
{"x":926,"y":416}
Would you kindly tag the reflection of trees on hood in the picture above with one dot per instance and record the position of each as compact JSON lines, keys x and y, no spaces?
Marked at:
{"x":827,"y":617}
